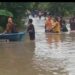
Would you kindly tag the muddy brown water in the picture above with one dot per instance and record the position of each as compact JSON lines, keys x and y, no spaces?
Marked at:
{"x":49,"y":54}
{"x":53,"y":54}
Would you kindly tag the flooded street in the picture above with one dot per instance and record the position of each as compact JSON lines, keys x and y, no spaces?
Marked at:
{"x":50,"y":54}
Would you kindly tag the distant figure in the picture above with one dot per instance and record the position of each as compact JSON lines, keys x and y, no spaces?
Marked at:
{"x":72,"y":24}
{"x":60,"y":19}
{"x":10,"y":26}
{"x":64,"y":28}
{"x":31,"y":30}
{"x":68,"y":25}
{"x":41,"y":21}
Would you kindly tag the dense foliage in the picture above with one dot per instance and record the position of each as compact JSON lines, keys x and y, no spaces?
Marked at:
{"x":18,"y":9}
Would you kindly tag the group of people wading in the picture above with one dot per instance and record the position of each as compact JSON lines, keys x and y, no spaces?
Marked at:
{"x":55,"y":25}
{"x":52,"y":24}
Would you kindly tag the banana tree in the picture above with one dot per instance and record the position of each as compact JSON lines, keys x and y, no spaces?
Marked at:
{"x":5,"y":13}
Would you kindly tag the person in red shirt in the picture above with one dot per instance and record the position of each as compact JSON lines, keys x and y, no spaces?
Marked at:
{"x":48,"y":24}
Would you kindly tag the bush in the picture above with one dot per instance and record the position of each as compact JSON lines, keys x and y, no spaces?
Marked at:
{"x":3,"y":21}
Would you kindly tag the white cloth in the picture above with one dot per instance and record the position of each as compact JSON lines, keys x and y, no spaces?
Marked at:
{"x":68,"y":26}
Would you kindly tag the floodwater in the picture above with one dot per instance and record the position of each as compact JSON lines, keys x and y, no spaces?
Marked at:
{"x":49,"y":54}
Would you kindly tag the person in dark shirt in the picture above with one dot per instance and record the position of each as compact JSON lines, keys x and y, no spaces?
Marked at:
{"x":31,"y":30}
{"x":64,"y":28}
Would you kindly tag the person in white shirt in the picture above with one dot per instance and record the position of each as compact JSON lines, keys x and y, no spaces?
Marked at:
{"x":68,"y":25}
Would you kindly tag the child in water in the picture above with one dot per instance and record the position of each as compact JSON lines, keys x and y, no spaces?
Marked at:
{"x":31,"y":30}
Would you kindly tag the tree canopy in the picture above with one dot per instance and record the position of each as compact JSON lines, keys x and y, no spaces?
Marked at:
{"x":18,"y":9}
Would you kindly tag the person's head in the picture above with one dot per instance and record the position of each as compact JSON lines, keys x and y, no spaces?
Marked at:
{"x":30,"y":21}
{"x":10,"y":19}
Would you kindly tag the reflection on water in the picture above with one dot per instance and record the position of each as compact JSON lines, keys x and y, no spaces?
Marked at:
{"x":56,"y":55}
{"x":53,"y":40}
{"x":47,"y":58}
